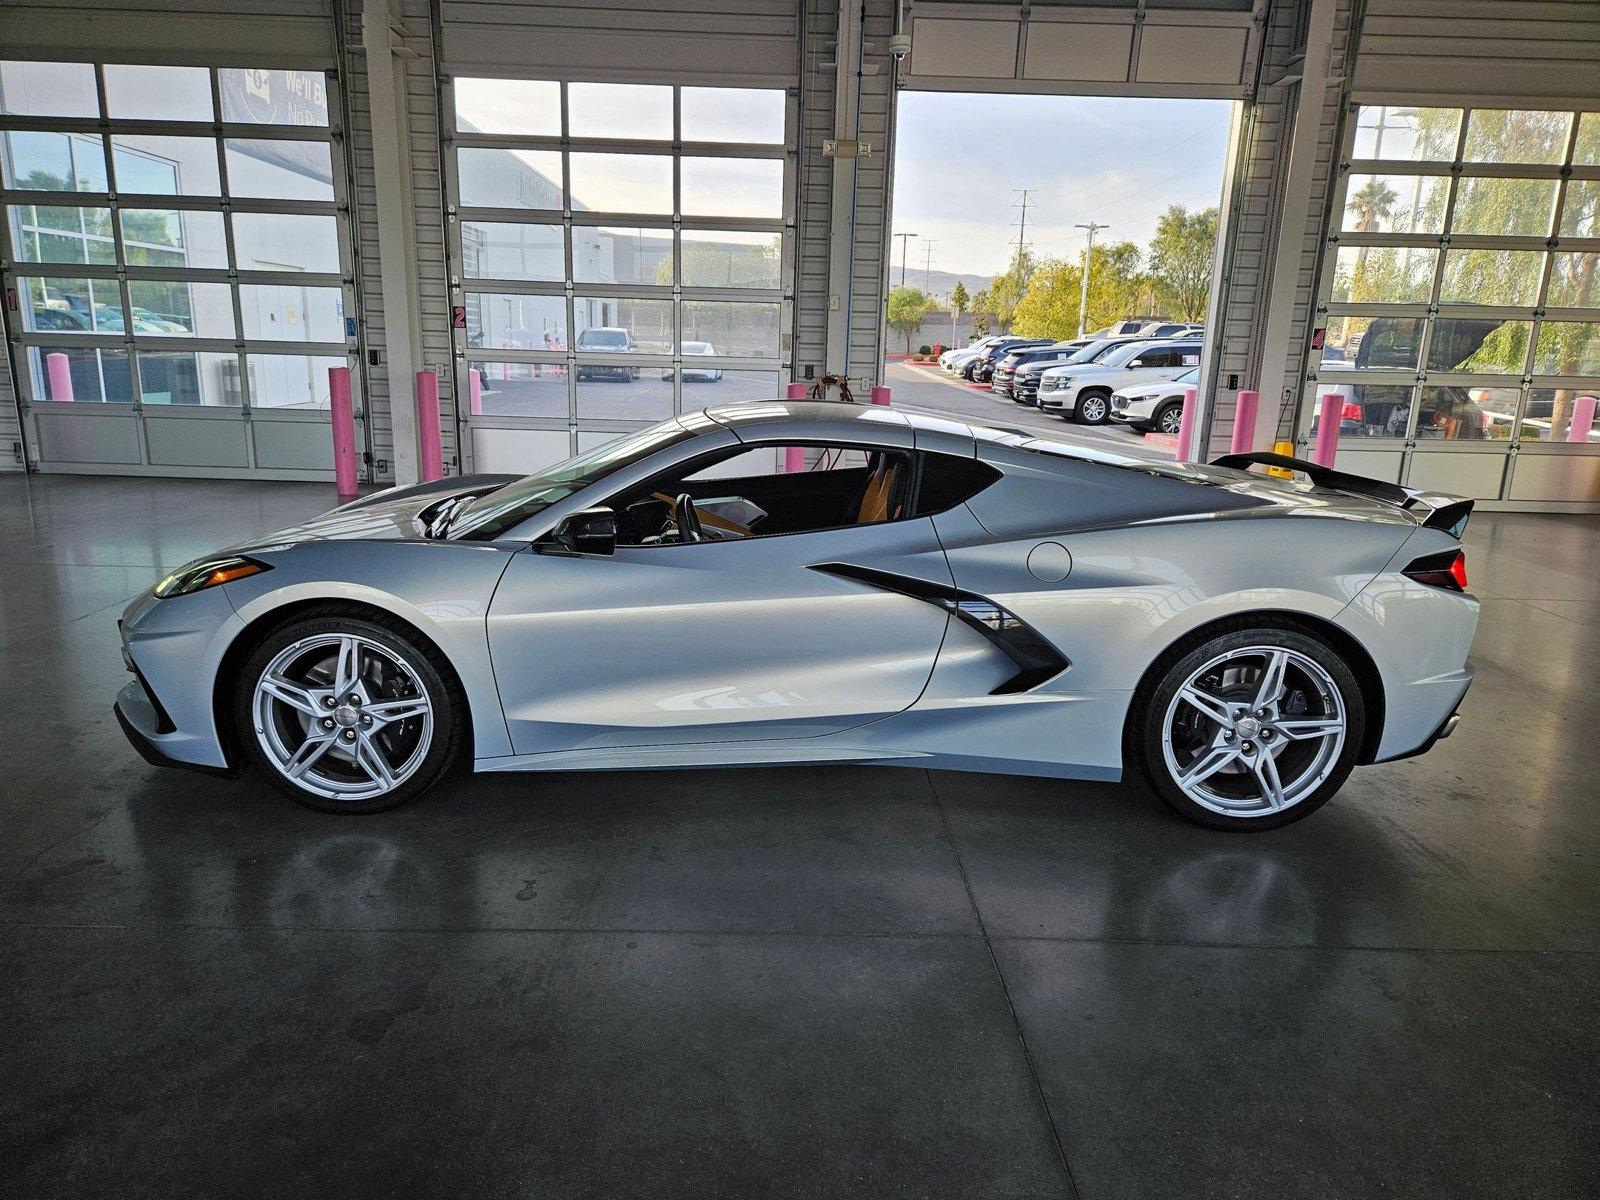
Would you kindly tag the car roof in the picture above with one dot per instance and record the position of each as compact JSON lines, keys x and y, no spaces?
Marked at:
{"x":833,"y":418}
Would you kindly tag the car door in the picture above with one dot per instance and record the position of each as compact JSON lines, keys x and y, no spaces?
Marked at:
{"x":715,"y":641}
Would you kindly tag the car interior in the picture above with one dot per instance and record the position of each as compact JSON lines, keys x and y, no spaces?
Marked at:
{"x":751,"y":494}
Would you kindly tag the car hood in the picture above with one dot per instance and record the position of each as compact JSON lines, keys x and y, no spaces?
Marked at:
{"x":389,"y":515}
{"x":1143,"y":391}
{"x":1077,"y":369}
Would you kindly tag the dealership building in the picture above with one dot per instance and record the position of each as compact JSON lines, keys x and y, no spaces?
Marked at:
{"x":468,"y":188}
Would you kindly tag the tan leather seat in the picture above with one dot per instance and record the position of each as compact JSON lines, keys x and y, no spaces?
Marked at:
{"x":879,"y":492}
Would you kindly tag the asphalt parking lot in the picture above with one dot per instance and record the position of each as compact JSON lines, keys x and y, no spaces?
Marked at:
{"x":930,"y":388}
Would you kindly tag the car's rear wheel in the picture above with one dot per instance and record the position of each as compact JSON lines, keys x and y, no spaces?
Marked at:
{"x":1248,"y":729}
{"x":1169,"y":418}
{"x":348,"y":714}
{"x":1094,"y":408}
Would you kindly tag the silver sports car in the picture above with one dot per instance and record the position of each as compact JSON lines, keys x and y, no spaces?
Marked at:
{"x":823,"y":583}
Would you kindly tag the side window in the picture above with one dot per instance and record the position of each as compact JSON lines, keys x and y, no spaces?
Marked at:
{"x":948,"y":480}
{"x":766,"y":490}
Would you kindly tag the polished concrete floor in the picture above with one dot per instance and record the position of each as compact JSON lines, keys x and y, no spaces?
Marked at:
{"x":821,"y":983}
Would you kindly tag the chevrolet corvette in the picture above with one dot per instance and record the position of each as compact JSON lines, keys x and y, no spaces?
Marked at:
{"x":813,"y":583}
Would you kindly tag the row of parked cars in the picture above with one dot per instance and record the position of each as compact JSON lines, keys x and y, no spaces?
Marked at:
{"x":1132,"y":373}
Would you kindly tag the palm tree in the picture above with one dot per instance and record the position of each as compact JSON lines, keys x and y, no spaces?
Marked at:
{"x":1371,"y":205}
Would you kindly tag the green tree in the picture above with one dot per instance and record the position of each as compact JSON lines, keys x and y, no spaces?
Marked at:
{"x":907,"y":307}
{"x":1181,"y":255}
{"x":959,"y":300}
{"x":1007,"y":290}
{"x":710,"y":264}
{"x":1050,"y":306}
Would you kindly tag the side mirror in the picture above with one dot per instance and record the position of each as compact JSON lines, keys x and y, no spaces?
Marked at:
{"x":592,"y":531}
{"x":1138,"y":362}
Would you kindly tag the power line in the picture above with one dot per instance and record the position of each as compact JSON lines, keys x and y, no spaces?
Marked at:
{"x":1022,"y":230}
{"x":904,"y":242}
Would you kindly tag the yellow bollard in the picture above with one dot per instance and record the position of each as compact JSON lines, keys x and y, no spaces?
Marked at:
{"x":1287,"y":450}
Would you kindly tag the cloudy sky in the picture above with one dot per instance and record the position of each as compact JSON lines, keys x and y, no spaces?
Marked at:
{"x":1120,"y":162}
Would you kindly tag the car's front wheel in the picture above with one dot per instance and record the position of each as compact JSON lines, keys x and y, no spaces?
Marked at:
{"x":1169,"y":419}
{"x":1094,"y":408}
{"x":1251,"y":728}
{"x":348,"y":714}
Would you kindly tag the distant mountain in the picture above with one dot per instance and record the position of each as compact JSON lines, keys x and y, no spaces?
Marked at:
{"x":936,"y":283}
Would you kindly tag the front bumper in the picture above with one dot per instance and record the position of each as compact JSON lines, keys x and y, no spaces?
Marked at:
{"x":1058,"y":402}
{"x":148,"y":747}
{"x":1130,"y":414}
{"x":172,"y":648}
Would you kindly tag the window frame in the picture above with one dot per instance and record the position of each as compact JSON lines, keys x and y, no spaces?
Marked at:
{"x":105,"y":131}
{"x":722,"y":453}
{"x":1455,"y":173}
{"x":572,"y":218}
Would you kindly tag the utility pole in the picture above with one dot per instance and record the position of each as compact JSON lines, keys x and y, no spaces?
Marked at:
{"x":927,"y":270}
{"x":1093,"y":227}
{"x":905,"y":239}
{"x":1022,"y":232}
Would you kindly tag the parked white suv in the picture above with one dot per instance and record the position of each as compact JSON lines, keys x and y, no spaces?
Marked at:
{"x":1083,"y":393}
{"x":1154,"y":406}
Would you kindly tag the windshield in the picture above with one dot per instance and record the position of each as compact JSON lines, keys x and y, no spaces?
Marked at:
{"x":516,"y":502}
{"x":1124,"y":354}
{"x":603,"y":339}
{"x":1091,"y":352}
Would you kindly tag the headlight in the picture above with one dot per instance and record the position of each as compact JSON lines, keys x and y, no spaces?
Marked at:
{"x":208,"y":572}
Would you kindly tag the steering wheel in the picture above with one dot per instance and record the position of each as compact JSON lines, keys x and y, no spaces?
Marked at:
{"x":687,"y":519}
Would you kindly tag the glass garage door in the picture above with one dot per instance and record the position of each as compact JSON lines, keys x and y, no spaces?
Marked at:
{"x":174,"y":266}
{"x":1462,"y":302}
{"x":620,"y":253}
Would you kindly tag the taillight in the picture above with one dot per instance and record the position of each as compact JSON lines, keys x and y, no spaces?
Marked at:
{"x":1350,"y":412}
{"x":1447,"y":569}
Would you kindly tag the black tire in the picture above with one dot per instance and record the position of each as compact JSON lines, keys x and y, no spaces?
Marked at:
{"x":1143,"y":741}
{"x":1093,"y":407}
{"x":432,"y":671}
{"x":1172,"y":413}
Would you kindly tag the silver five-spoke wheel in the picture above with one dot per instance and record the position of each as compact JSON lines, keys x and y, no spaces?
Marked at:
{"x":1254,"y":731}
{"x":342,"y":716}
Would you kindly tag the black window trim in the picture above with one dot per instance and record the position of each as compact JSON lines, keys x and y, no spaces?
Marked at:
{"x":690,"y":465}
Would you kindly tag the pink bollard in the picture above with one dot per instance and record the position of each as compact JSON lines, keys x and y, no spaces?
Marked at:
{"x":344,"y":430}
{"x":880,"y":395}
{"x":59,"y":369}
{"x":1186,"y":426}
{"x":1244,"y":422}
{"x":1577,"y":429}
{"x":795,"y":391}
{"x":475,"y":391}
{"x":1327,"y":445}
{"x":428,"y":434}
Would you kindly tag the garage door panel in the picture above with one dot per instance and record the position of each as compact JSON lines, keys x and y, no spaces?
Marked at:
{"x":1194,"y":54}
{"x":293,"y":445}
{"x":196,"y":442}
{"x":87,"y":437}
{"x":965,"y":49}
{"x":1091,"y":52}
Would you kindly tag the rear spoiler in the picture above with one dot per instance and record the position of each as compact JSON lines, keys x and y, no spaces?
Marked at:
{"x":1438,"y":510}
